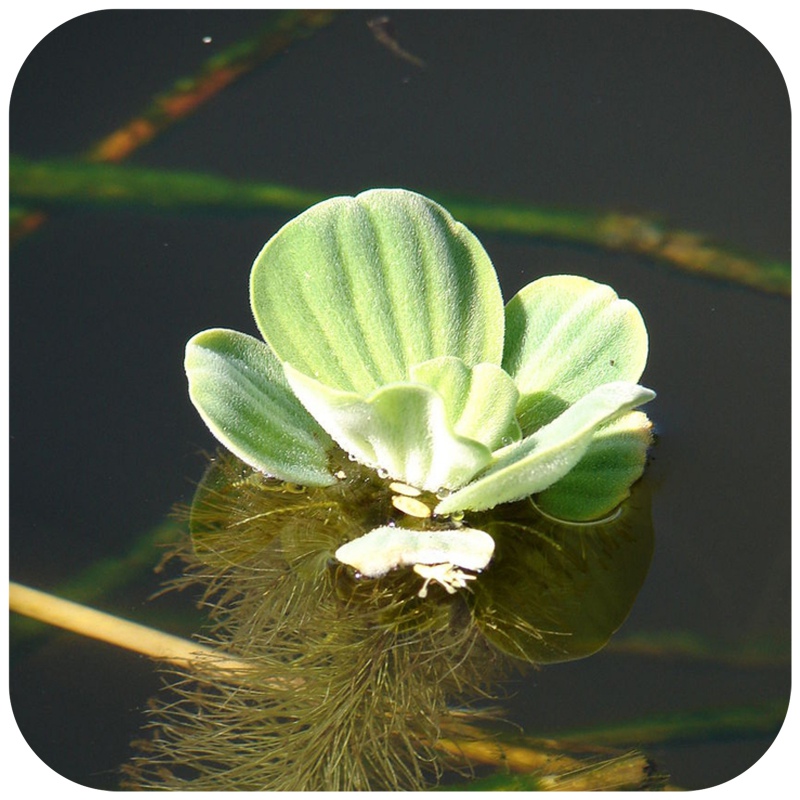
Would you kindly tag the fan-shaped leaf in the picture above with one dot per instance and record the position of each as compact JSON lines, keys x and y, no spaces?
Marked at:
{"x":565,"y":336}
{"x":238,"y":386}
{"x":480,"y":401}
{"x":357,"y":289}
{"x":602,"y":479}
{"x":539,"y":460}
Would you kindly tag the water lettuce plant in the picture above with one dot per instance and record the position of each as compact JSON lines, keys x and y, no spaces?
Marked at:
{"x":382,"y":539}
{"x":385,"y":334}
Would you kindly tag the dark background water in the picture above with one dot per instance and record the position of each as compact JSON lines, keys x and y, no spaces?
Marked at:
{"x":681,"y":114}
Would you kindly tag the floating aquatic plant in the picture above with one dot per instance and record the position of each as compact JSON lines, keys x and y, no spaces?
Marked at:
{"x":385,"y":334}
{"x":368,"y":547}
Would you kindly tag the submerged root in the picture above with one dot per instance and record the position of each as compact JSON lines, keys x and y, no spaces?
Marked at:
{"x":348,"y":678}
{"x":348,"y":681}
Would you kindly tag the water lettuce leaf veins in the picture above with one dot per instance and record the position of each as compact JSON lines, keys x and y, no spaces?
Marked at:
{"x":384,"y":335}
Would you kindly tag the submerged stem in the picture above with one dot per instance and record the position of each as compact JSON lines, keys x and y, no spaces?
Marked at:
{"x":186,"y":95}
{"x":111,"y":185}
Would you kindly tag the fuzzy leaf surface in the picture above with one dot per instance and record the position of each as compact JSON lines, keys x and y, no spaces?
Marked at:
{"x":239,"y":389}
{"x":357,"y":289}
{"x":401,"y":428}
{"x":480,"y":400}
{"x":565,"y":336}
{"x":602,"y":479}
{"x":540,"y":459}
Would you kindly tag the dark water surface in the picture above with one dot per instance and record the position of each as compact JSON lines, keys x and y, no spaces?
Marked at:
{"x":680,"y":114}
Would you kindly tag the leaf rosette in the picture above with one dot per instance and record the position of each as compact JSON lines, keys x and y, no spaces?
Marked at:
{"x":384,"y":333}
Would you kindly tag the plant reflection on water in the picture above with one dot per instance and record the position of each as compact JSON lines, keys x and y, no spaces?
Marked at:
{"x":348,"y":681}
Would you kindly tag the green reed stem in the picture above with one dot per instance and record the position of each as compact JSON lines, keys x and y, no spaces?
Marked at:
{"x":705,"y":725}
{"x":107,"y":185}
{"x":188,"y":94}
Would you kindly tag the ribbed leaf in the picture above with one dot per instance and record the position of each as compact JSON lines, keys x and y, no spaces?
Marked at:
{"x":480,"y":401}
{"x":238,"y":386}
{"x":539,"y":460}
{"x":401,"y":428}
{"x":565,"y":336}
{"x":602,"y":479}
{"x":355,"y":290}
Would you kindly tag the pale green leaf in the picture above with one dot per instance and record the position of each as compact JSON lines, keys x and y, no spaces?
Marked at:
{"x":239,"y":388}
{"x":401,"y":428}
{"x":357,"y":289}
{"x":601,"y":480}
{"x":481,"y":401}
{"x":539,"y":460}
{"x":565,"y":336}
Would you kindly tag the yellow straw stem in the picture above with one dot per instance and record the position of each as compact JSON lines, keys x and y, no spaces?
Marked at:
{"x":95,"y":624}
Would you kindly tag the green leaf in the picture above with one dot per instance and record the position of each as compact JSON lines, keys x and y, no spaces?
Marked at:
{"x":601,"y":480}
{"x":402,"y":428}
{"x":565,"y":336}
{"x":480,"y":401}
{"x":356,"y":290}
{"x":238,"y":386}
{"x":539,"y":460}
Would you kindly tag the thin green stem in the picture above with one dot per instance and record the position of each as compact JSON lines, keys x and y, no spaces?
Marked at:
{"x":685,"y":726}
{"x":107,"y":185}
{"x":186,"y":95}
